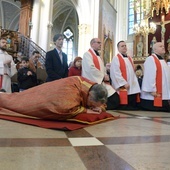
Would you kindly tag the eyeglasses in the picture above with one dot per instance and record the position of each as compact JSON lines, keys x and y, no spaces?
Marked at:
{"x":98,"y":42}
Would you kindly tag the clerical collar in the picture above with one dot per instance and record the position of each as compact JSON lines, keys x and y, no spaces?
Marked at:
{"x":124,"y":55}
{"x":159,"y":57}
{"x":97,"y":53}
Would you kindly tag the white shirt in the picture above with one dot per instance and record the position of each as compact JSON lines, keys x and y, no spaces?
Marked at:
{"x":117,"y":78}
{"x":7,"y":71}
{"x":90,"y":72}
{"x":149,"y":83}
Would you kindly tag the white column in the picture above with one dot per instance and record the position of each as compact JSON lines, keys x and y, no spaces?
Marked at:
{"x":35,"y":21}
{"x":94,"y":18}
{"x":45,"y":24}
{"x":122,"y":20}
{"x":89,"y":23}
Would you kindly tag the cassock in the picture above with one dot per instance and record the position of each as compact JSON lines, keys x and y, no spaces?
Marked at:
{"x":149,"y":84}
{"x":5,"y":71}
{"x":58,"y":100}
{"x":119,"y":81}
{"x":94,"y":74}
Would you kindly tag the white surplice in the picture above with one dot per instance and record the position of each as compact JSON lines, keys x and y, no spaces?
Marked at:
{"x":149,"y":79}
{"x":117,"y":78}
{"x":90,"y":72}
{"x":6,"y":71}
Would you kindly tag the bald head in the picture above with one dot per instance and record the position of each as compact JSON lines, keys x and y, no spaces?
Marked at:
{"x":158,"y":48}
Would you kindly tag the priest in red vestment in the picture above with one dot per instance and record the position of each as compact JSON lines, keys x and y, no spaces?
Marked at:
{"x":57,"y":100}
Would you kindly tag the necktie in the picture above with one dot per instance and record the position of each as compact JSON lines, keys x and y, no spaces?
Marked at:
{"x":61,"y":57}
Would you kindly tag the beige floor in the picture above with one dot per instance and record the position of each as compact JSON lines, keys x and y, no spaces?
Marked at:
{"x":139,"y":140}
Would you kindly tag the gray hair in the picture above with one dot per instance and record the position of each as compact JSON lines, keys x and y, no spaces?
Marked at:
{"x":99,"y":93}
{"x":92,"y":41}
{"x":57,"y":36}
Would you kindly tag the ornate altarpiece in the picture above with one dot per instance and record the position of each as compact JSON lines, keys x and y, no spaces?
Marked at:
{"x":160,"y":15}
{"x":107,"y":49}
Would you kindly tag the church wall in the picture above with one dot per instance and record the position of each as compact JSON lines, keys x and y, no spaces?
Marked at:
{"x":107,"y":22}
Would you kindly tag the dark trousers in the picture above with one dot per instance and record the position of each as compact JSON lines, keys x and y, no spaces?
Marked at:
{"x":148,"y":105}
{"x":113,"y":101}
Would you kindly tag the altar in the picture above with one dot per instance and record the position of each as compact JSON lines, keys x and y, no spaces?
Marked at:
{"x":153,"y":27}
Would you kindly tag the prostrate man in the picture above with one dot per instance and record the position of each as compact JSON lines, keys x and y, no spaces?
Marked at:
{"x":155,"y":95}
{"x":58,"y":100}
{"x":7,"y":67}
{"x":94,"y":70}
{"x":124,"y":79}
{"x":56,"y":61}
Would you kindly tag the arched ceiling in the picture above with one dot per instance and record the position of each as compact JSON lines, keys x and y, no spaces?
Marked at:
{"x":62,"y":6}
{"x":64,"y":15}
{"x":9,"y":14}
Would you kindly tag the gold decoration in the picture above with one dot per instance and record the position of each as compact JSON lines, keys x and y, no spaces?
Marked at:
{"x":159,"y":5}
{"x":143,"y":28}
{"x":148,"y":7}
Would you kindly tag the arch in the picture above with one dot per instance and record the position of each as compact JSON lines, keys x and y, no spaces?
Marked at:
{"x":6,"y":7}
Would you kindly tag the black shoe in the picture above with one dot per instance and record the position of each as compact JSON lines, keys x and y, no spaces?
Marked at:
{"x":2,"y":90}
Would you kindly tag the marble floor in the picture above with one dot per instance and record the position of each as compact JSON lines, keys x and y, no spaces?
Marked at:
{"x":139,"y":140}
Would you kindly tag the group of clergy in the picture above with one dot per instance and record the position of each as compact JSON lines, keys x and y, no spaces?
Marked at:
{"x":154,"y":94}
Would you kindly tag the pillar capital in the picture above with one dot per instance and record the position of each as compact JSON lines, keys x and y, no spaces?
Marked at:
{"x":84,"y":29}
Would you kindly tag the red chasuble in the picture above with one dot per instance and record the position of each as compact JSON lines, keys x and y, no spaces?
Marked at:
{"x":46,"y":101}
{"x":95,"y":59}
{"x":158,"y":99}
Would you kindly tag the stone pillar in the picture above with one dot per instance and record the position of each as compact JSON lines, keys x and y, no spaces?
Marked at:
{"x":45,"y":24}
{"x":121,"y":28}
{"x":25,"y":17}
{"x":84,"y":38}
{"x":35,"y":21}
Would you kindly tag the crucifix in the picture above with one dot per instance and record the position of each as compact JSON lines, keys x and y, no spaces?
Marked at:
{"x":163,"y":29}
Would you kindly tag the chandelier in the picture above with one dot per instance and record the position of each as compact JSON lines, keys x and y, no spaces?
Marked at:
{"x":143,"y":28}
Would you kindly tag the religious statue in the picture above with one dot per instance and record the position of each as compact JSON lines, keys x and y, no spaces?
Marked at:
{"x":152,"y":43}
{"x":8,"y":42}
{"x":168,"y":41}
{"x":163,"y":29}
{"x":140,"y":47}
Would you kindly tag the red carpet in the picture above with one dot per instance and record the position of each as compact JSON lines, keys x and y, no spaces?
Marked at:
{"x":79,"y":121}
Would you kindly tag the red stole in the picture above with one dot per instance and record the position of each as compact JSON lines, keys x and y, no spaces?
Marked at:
{"x":123,"y":92}
{"x":1,"y":81}
{"x":158,"y":99}
{"x":95,"y":59}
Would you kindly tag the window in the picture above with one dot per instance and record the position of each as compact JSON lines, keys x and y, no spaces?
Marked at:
{"x":68,"y":44}
{"x":135,"y":14}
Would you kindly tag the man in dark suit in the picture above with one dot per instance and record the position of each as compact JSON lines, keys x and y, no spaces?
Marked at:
{"x":56,"y":61}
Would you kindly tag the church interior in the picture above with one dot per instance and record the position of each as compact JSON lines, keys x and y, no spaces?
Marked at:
{"x":136,"y":140}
